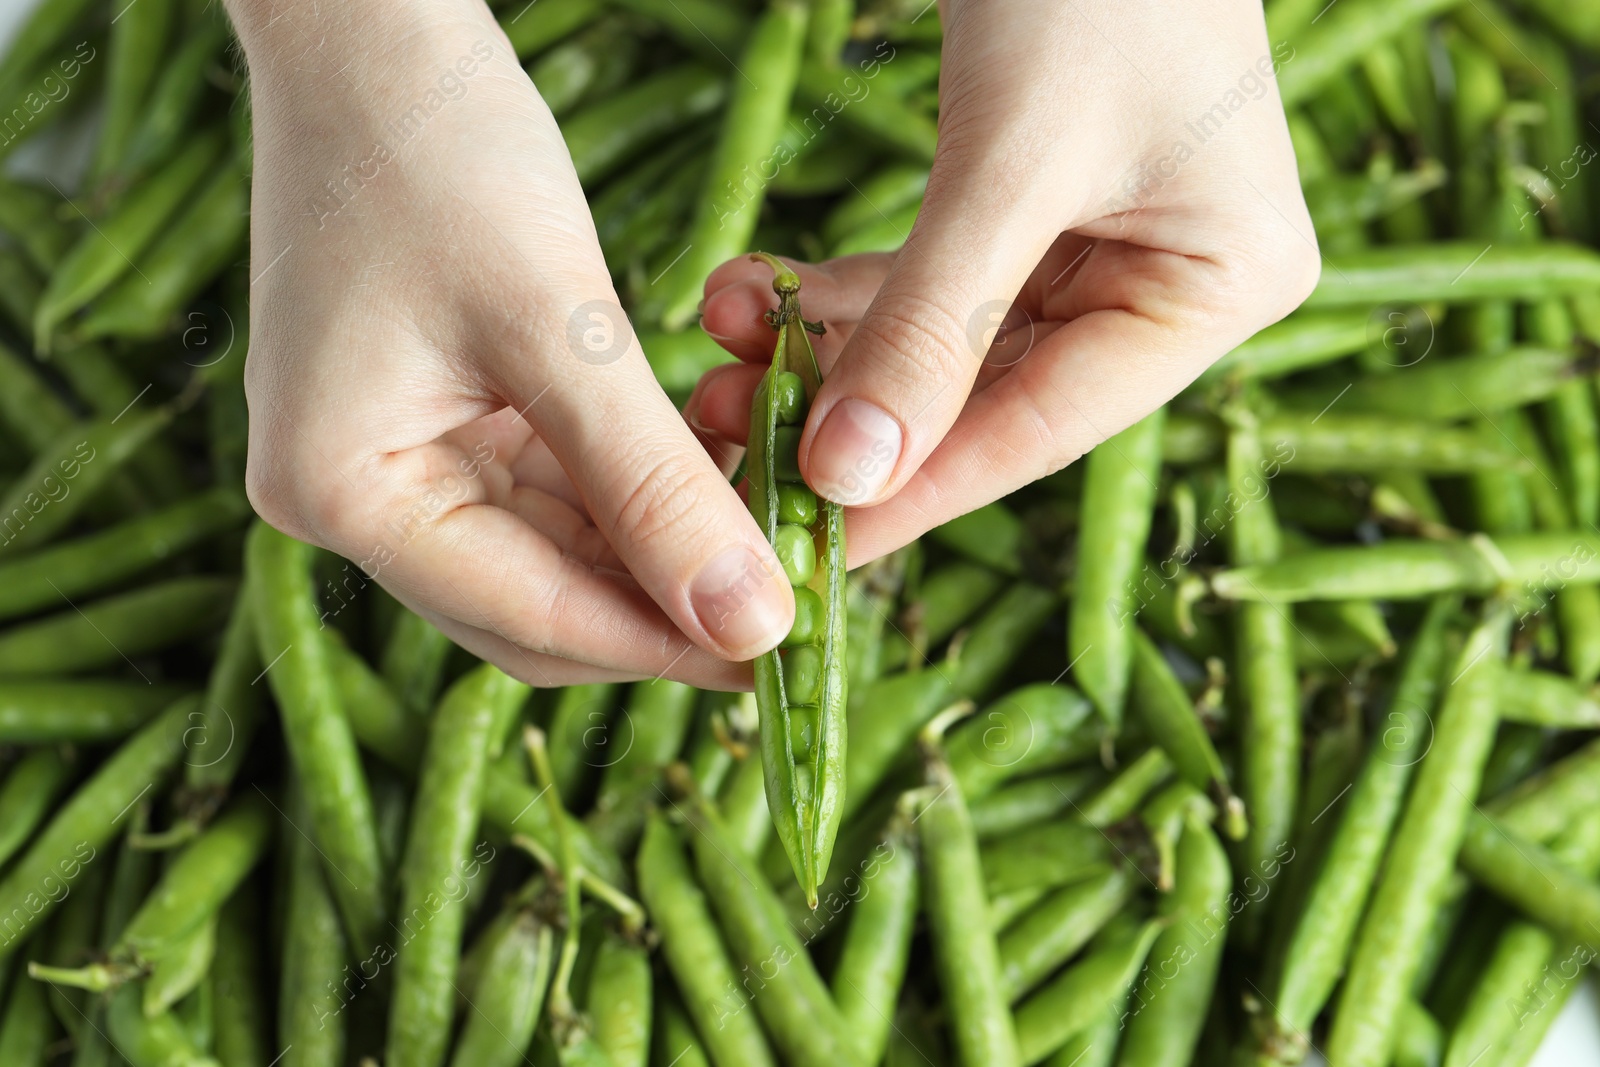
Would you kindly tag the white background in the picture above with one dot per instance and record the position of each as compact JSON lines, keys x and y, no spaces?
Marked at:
{"x":1573,"y":1040}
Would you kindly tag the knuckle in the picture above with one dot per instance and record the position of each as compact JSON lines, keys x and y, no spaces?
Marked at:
{"x":663,"y":503}
{"x":917,"y":340}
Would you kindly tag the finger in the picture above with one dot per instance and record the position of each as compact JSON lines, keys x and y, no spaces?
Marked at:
{"x":568,"y":528}
{"x":720,"y":403}
{"x":546,"y":671}
{"x":1076,"y":387}
{"x":907,"y":370}
{"x":649,"y":488}
{"x":831,"y":292}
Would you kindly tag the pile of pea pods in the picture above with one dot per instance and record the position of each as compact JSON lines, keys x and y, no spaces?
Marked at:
{"x":1264,"y":732}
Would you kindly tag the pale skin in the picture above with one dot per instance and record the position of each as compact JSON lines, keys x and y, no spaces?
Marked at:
{"x":417,"y":406}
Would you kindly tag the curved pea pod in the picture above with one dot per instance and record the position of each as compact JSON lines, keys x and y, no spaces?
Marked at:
{"x":205,"y":238}
{"x":1342,"y":443}
{"x":790,"y":997}
{"x":1120,"y":797}
{"x":1528,"y":876}
{"x":180,"y":967}
{"x":1304,"y":339}
{"x":311,"y":1024}
{"x":892,"y":188}
{"x":1170,"y":717}
{"x":106,"y":251}
{"x":439,"y":855}
{"x":88,"y":820}
{"x":881,"y":118}
{"x":1311,"y":954}
{"x":177,"y":94}
{"x":1048,"y":854}
{"x":1543,"y":698}
{"x":413,"y":661}
{"x":965,"y":953}
{"x":695,"y":952}
{"x":1029,"y":728}
{"x":509,"y":995}
{"x":580,"y":721}
{"x":112,"y":631}
{"x":1543,"y":806}
{"x":1032,"y":800}
{"x":90,"y":710}
{"x":1419,"y":1039}
{"x":800,"y":686}
{"x":161,"y":1041}
{"x":606,"y":134}
{"x":533,"y":29}
{"x":137,"y":50}
{"x":1119,"y":496}
{"x":619,"y":1000}
{"x":316,"y":728}
{"x":1388,"y":949}
{"x":675,"y":1040}
{"x":1058,"y":926}
{"x":946,"y":599}
{"x":1455,"y":272}
{"x":877,"y":944}
{"x":1075,"y":999}
{"x":1170,"y":1000}
{"x":69,"y":474}
{"x":653,"y":726}
{"x":1404,"y":570}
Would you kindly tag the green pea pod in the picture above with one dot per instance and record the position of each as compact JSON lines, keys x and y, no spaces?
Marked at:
{"x":509,"y":995}
{"x":1096,"y":1045}
{"x":1055,"y":929}
{"x":1456,"y":272}
{"x":1031,"y":800}
{"x":179,"y":967}
{"x":800,"y":686}
{"x":1544,"y":805}
{"x":108,"y":250}
{"x":1525,"y":874}
{"x":444,"y":821}
{"x":887,"y":191}
{"x":879,"y":118}
{"x":966,"y":958}
{"x":176,"y":95}
{"x":580,"y":724}
{"x":89,"y":820}
{"x":1264,"y":661}
{"x":743,"y":804}
{"x":1387,"y":950}
{"x":1048,"y":854}
{"x":232,"y":710}
{"x":311,"y":1021}
{"x":826,"y":160}
{"x":1312,"y":952}
{"x":675,"y":1040}
{"x":1121,"y":797}
{"x":1170,"y":1001}
{"x":1458,"y":388}
{"x":1170,"y":717}
{"x":111,"y":631}
{"x":68,"y":475}
{"x":534,"y":27}
{"x":652,"y":728}
{"x":321,"y":744}
{"x":87,"y":710}
{"x":1329,"y":45}
{"x":619,"y":999}
{"x":137,"y":51}
{"x":30,"y":789}
{"x":1074,"y":1001}
{"x":947,"y":598}
{"x":1419,"y":1039}
{"x":789,"y":995}
{"x":596,"y":61}
{"x":696,"y":955}
{"x":30,"y":409}
{"x":1543,"y":698}
{"x":1119,"y":495}
{"x":877,"y":944}
{"x":205,"y":238}
{"x":1301,"y":341}
{"x":238,"y":996}
{"x":413,"y":660}
{"x":28,"y":216}
{"x":1402,"y":570}
{"x":27,"y":1027}
{"x":161,"y":1041}
{"x":726,"y":212}
{"x":606,"y":134}
{"x":1340,"y":443}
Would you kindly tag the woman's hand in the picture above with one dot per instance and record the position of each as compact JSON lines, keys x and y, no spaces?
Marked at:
{"x":442,"y":386}
{"x":1113,"y":181}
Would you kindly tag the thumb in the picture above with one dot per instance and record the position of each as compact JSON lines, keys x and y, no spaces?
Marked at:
{"x":903,"y":376}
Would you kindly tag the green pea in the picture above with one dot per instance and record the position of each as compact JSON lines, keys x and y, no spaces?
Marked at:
{"x":786,"y":454}
{"x":802,"y":732}
{"x":789,"y":400}
{"x":796,"y":552}
{"x":808,"y":618}
{"x":802,"y":674}
{"x":797,"y":504}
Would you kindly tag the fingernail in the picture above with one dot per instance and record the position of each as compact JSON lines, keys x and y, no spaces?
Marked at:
{"x":720,"y":338}
{"x":854,"y":452}
{"x":740,"y":602}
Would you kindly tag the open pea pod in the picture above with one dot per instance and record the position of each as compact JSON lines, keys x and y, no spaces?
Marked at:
{"x":800,"y":686}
